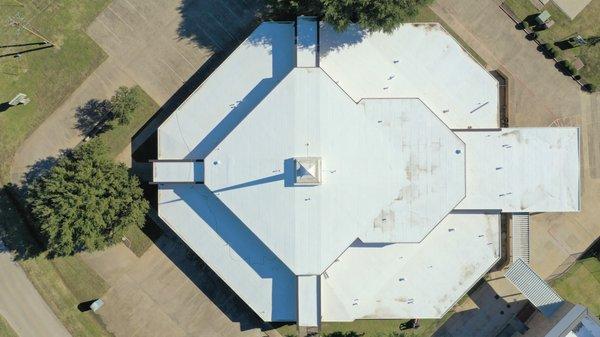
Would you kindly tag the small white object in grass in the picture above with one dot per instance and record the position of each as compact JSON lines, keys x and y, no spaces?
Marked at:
{"x":97,"y":305}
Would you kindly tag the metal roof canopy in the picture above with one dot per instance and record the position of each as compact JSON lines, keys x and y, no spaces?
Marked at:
{"x":537,"y":291}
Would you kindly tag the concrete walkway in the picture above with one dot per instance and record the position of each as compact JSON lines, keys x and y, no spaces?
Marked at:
{"x":22,"y":305}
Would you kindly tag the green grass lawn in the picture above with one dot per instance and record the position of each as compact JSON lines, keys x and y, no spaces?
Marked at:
{"x":140,"y":239}
{"x":581,"y":284}
{"x":5,"y":329}
{"x":584,"y":24}
{"x":372,"y":328}
{"x":67,"y":281}
{"x":47,"y":76}
{"x":62,"y":282}
{"x":117,"y":138}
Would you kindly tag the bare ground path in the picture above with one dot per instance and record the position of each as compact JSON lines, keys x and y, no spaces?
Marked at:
{"x":21,"y":305}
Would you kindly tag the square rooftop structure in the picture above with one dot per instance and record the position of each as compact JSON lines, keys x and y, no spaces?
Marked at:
{"x":337,"y":153}
{"x":308,"y":171}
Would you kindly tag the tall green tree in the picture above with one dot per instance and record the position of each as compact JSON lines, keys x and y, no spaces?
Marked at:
{"x":371,"y":15}
{"x":123,"y":103}
{"x":86,"y":201}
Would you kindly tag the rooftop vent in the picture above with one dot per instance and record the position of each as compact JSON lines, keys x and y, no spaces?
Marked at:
{"x":307,"y":171}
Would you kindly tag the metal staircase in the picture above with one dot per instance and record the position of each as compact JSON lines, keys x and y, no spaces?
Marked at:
{"x":520,"y":237}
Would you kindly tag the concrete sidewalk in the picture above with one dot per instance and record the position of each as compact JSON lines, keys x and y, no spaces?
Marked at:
{"x":22,"y":305}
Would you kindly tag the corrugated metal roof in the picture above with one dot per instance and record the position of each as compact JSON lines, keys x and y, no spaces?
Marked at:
{"x":537,"y":291}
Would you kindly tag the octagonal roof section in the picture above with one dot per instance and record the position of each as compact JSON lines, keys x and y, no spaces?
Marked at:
{"x":412,"y":281}
{"x":415,"y":60}
{"x":390,"y":169}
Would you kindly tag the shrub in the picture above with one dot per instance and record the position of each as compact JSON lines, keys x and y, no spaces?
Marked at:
{"x":371,"y":15}
{"x":123,"y":104}
{"x":590,"y":87}
{"x":569,"y":68}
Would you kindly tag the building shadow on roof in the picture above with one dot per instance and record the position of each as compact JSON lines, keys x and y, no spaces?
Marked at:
{"x":280,"y":68}
{"x":237,"y":235}
{"x":246,"y":245}
{"x":203,"y":23}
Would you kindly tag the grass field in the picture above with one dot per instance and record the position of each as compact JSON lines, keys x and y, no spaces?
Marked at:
{"x":581,"y":284}
{"x":371,"y":328}
{"x":62,"y":282}
{"x":584,"y":24}
{"x":67,"y":281}
{"x":119,"y":137}
{"x":5,"y":329}
{"x":47,"y":76}
{"x":116,"y":139}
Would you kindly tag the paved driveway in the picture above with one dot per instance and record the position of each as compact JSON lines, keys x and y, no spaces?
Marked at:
{"x":161,"y":43}
{"x":22,"y":305}
{"x":169,"y":292}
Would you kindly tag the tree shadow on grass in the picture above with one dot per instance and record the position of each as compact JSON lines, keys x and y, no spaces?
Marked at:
{"x":16,"y":230}
{"x":91,"y":115}
{"x":4,"y":106}
{"x":17,"y":227}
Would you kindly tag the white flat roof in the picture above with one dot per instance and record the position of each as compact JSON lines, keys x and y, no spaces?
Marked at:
{"x":522,"y":170}
{"x":306,"y":40}
{"x":231,"y":250}
{"x":177,"y":171}
{"x":388,"y":158}
{"x":229,"y":94}
{"x":405,"y":280}
{"x":308,"y":300}
{"x":390,"y":171}
{"x":415,"y":60}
